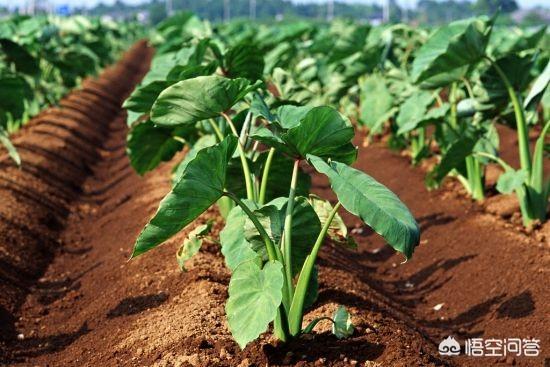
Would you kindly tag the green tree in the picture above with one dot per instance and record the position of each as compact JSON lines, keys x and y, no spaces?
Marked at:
{"x":492,"y":6}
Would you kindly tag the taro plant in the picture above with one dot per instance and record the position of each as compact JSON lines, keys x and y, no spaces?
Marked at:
{"x":272,"y":248}
{"x":41,"y":58}
{"x":480,"y":78}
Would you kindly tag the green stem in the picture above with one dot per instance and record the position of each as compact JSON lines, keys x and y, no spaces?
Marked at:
{"x":271,"y":253}
{"x":287,"y":234}
{"x":418,"y":143}
{"x":521,"y":125}
{"x":244,"y":161}
{"x":265,"y":175}
{"x":453,"y":102}
{"x":468,"y":87}
{"x":216,"y":129}
{"x":498,"y":160}
{"x":308,"y":329}
{"x":296,"y":314}
{"x":475,"y":178}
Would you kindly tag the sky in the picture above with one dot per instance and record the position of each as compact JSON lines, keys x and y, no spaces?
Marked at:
{"x":14,"y":3}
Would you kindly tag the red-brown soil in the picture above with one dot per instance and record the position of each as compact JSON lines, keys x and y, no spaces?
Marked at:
{"x":70,"y":297}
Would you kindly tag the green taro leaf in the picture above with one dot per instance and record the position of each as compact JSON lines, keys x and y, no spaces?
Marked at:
{"x":198,"y":99}
{"x":451,"y":51}
{"x":203,"y":142}
{"x":514,"y":40}
{"x":413,"y":111}
{"x":244,"y":61}
{"x":192,"y":244}
{"x":538,"y":88}
{"x":143,"y":97}
{"x":259,"y":108}
{"x":371,"y":201}
{"x":14,"y":91}
{"x":342,"y":326}
{"x":511,"y":180}
{"x":322,"y":131}
{"x":14,"y":53}
{"x":452,"y":159}
{"x":254,"y":297}
{"x":200,"y":186}
{"x":148,"y":145}
{"x":517,"y":69}
{"x":183,"y":72}
{"x":132,"y":117}
{"x":5,"y":141}
{"x":376,"y":102}
{"x":289,"y":116}
{"x":235,"y":248}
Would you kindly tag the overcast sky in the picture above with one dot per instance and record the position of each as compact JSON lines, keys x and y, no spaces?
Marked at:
{"x":14,"y":3}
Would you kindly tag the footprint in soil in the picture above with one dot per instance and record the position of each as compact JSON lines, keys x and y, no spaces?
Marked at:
{"x":137,"y":304}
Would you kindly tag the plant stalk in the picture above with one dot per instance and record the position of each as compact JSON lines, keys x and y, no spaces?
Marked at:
{"x":296,"y":314}
{"x":287,"y":234}
{"x":521,"y":125}
{"x":265,"y":175}
{"x":475,"y":177}
{"x":453,"y":102}
{"x":216,"y":129}
{"x":244,"y":161}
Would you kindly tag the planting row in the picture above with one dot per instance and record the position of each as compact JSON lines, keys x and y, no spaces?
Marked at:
{"x":42,"y":58}
{"x":257,"y":104}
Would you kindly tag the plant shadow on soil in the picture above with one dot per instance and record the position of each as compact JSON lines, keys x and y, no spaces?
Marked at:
{"x":37,"y":346}
{"x":406,"y":294}
{"x":137,"y":304}
{"x":324,"y":346}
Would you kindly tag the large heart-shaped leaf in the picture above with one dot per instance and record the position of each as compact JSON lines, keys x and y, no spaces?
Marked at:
{"x":254,"y":297}
{"x":376,"y":102}
{"x":414,"y":109}
{"x":14,"y":91}
{"x":518,"y":71}
{"x":148,"y":145}
{"x":17,"y":55}
{"x":235,"y":247}
{"x":200,"y":186}
{"x":198,"y":99}
{"x":453,"y":158}
{"x":514,"y":40}
{"x":143,"y":97}
{"x":244,"y":61}
{"x":376,"y":205}
{"x":322,"y":131}
{"x":289,"y":116}
{"x":451,"y":51}
{"x":203,"y":142}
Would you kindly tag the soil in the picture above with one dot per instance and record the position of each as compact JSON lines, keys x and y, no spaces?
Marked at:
{"x":70,"y":297}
